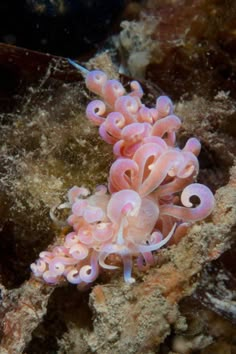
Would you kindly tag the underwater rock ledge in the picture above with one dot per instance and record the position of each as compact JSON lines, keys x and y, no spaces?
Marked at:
{"x":48,"y":146}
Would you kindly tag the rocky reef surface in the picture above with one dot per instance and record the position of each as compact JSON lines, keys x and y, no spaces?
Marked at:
{"x":187,"y":302}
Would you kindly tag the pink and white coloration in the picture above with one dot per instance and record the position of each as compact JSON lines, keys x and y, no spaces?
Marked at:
{"x":150,"y":186}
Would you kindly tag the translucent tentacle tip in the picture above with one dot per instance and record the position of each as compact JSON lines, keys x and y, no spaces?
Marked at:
{"x":83,"y":70}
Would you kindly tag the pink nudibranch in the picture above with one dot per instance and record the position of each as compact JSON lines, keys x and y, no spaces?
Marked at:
{"x":150,"y":188}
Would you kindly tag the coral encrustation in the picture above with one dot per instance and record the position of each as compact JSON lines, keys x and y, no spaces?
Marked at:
{"x":148,"y":198}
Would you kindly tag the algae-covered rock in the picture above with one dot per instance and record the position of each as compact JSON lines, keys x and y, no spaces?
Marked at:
{"x":47,"y":147}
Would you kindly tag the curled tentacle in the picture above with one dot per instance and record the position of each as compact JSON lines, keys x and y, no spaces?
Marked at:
{"x":103,"y":232}
{"x":120,"y":174}
{"x":79,"y":206}
{"x":101,"y":260}
{"x":90,"y":213}
{"x":73,"y":195}
{"x":114,"y":123}
{"x":105,"y":135}
{"x":46,"y":256}
{"x":128,"y":106}
{"x":88,"y":273}
{"x":172,"y":162}
{"x":187,"y":213}
{"x":124,"y":148}
{"x":85,"y":235}
{"x":95,"y":110}
{"x":111,"y":91}
{"x":71,"y":239}
{"x":75,"y":221}
{"x":58,"y":261}
{"x":77,"y":192}
{"x":145,"y":157}
{"x":73,"y":276}
{"x":193,"y":145}
{"x":136,"y":89}
{"x":60,"y":251}
{"x":56,"y":267}
{"x":111,"y":129}
{"x":188,"y":167}
{"x":132,"y":137}
{"x":145,"y":115}
{"x":136,"y":132}
{"x":79,"y":251}
{"x":168,"y":125}
{"x":95,"y":81}
{"x":154,"y":114}
{"x":126,"y":256}
{"x":155,"y":246}
{"x":164,"y":106}
{"x":101,"y":189}
{"x":39,"y":267}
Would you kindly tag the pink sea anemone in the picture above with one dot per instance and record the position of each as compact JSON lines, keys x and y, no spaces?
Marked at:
{"x":150,"y":186}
